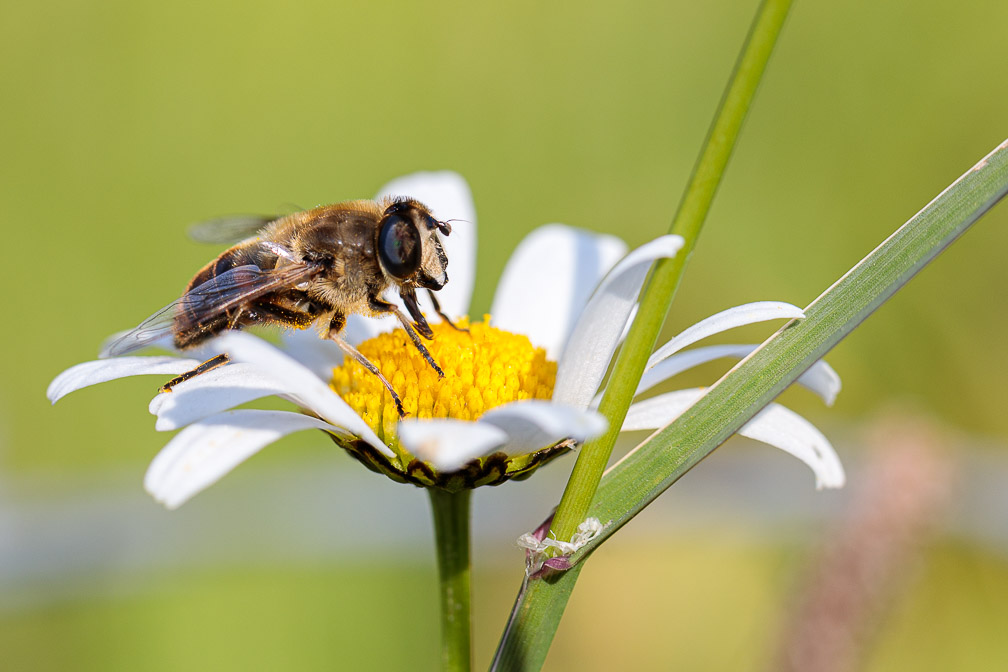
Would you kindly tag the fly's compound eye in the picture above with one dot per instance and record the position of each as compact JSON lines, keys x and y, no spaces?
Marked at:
{"x":399,"y":247}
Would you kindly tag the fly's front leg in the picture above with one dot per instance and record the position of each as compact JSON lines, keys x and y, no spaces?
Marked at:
{"x":380,"y":306}
{"x":437,"y":309}
{"x":335,"y":330}
{"x":419,"y":321}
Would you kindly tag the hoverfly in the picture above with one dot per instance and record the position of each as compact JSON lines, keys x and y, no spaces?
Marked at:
{"x":312,"y":267}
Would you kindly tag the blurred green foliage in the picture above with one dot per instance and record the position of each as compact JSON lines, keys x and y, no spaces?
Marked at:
{"x":382,"y":617}
{"x":124,"y":121}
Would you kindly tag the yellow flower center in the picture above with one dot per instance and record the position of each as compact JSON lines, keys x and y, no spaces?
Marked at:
{"x":484,"y":368}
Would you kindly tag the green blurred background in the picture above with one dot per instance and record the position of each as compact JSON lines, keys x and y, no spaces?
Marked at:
{"x":122,"y":122}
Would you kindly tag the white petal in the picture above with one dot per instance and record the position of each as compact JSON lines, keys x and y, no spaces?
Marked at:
{"x":317,"y":353}
{"x":201,"y":454}
{"x":532,"y":425}
{"x":448,"y":196}
{"x":820,"y":378}
{"x":306,"y":389}
{"x":749,"y":313}
{"x":660,"y":410}
{"x":774,"y":425}
{"x":212,"y":392}
{"x":360,"y":328}
{"x":683,"y":361}
{"x":548,"y":280}
{"x":785,"y":429}
{"x":598,"y":330}
{"x":104,"y":370}
{"x":449,"y":444}
{"x":320,"y":354}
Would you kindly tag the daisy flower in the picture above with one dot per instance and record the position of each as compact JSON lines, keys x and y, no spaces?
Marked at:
{"x":518,"y":391}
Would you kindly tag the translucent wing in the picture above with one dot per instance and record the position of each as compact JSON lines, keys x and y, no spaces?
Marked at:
{"x":209,"y":300}
{"x":230,"y":228}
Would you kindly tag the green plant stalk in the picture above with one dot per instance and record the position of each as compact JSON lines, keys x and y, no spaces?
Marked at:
{"x":656,"y":298}
{"x":540,"y":604}
{"x":450,"y":511}
{"x":670,"y":452}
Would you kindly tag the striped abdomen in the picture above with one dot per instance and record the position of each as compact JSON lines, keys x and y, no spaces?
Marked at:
{"x":199,"y":314}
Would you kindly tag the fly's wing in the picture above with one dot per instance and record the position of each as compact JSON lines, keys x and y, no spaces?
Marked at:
{"x":229,"y":229}
{"x":209,"y":300}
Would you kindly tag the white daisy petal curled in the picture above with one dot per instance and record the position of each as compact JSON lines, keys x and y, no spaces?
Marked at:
{"x":820,"y":378}
{"x":597,"y":332}
{"x":785,"y":429}
{"x":548,"y":280}
{"x":448,"y":196}
{"x":749,"y":313}
{"x":683,"y":361}
{"x":774,"y":425}
{"x":660,"y":410}
{"x":449,"y":444}
{"x":201,"y":454}
{"x":304,"y":387}
{"x":533,"y":424}
{"x":104,"y":370}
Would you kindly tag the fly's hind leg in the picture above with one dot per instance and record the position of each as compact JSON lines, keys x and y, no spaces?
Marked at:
{"x":252,"y":314}
{"x":379,"y":306}
{"x":209,"y":365}
{"x":335,"y":329}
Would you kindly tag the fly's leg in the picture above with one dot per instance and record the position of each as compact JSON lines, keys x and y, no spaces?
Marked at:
{"x":282,"y":315}
{"x":437,"y":309}
{"x":379,"y":306}
{"x":335,"y":328}
{"x":419,"y":321}
{"x":209,"y":365}
{"x":254,"y":313}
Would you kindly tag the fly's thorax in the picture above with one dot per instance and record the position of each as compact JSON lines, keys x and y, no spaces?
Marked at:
{"x":348,"y":294}
{"x":342,"y":239}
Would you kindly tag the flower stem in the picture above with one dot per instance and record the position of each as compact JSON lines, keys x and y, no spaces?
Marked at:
{"x":656,"y":297}
{"x":537,"y":613}
{"x":450,"y":511}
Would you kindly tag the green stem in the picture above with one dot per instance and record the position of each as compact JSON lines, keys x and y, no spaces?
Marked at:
{"x":657,"y":295}
{"x":450,"y":511}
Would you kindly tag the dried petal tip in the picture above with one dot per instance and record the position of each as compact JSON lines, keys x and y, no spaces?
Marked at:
{"x":536,"y":545}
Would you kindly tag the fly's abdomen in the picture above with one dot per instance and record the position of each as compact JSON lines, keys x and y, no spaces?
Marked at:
{"x":211,"y":303}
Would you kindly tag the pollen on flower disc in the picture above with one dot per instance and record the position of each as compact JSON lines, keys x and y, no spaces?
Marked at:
{"x":484,"y":368}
